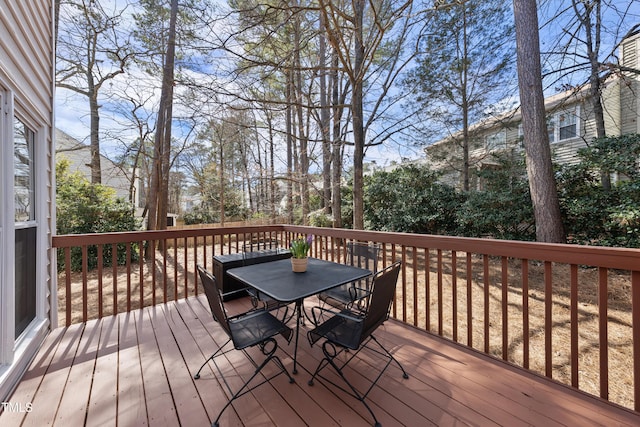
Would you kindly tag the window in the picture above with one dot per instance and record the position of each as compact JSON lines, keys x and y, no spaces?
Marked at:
{"x":561,"y":126}
{"x":23,"y":139}
{"x":496,"y":141}
{"x":567,"y":124}
{"x":25,"y":225}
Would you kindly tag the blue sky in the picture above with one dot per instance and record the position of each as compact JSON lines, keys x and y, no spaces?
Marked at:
{"x":73,"y":118}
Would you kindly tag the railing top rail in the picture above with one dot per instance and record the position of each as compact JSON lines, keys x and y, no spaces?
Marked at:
{"x":67,"y":240}
{"x":597,"y":256}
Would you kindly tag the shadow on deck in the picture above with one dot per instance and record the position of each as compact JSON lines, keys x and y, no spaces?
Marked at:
{"x":136,"y":369}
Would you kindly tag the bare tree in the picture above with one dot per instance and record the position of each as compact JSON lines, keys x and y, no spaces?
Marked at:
{"x":90,"y":52}
{"x":356,"y":30}
{"x":579,"y":50}
{"x":159,"y":186}
{"x":466,"y":52}
{"x":544,"y":194}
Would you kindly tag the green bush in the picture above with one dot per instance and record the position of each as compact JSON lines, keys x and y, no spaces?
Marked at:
{"x":410,"y":199}
{"x":502,"y":209}
{"x":82,"y":207}
{"x":200,"y":215}
{"x":595,"y":215}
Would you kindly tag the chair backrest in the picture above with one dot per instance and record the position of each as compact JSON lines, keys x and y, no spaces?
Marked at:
{"x":213,"y":296}
{"x":382,"y":293}
{"x":363,"y":255}
{"x":260,"y":245}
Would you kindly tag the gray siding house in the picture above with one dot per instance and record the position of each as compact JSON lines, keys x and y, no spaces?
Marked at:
{"x":570,"y":119}
{"x":79,"y":156}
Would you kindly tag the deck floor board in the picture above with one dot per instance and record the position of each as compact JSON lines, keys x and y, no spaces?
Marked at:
{"x":137,"y":369}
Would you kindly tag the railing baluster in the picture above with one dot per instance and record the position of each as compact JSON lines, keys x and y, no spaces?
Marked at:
{"x":485,"y":263}
{"x":548,"y":309}
{"x":175,"y":268}
{"x":185,"y":263}
{"x":85,"y":268}
{"x":427,"y":287}
{"x":505,"y":308}
{"x":114,"y":272}
{"x":440,"y":302}
{"x":67,"y":283}
{"x":99,"y":256}
{"x":404,"y":283}
{"x":128,"y":254}
{"x":525,"y":312}
{"x":164,"y":270}
{"x":574,"y":325}
{"x":141,"y":259}
{"x":469,"y":300}
{"x":454,"y":294}
{"x":414,"y":268}
{"x":603,"y":294}
{"x":635,"y":325}
{"x":153,"y":272}
{"x":195,"y":266}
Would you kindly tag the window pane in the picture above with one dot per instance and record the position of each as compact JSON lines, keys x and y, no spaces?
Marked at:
{"x":551,"y":125}
{"x":23,"y":139}
{"x":497,"y":140}
{"x":25,"y":278}
{"x":567,"y":122}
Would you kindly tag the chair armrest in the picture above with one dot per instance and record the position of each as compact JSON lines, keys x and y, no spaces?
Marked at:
{"x":346,"y":314}
{"x":320,"y":311}
{"x":234,"y":292}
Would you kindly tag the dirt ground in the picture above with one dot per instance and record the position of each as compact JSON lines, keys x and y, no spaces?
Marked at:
{"x":418,"y":303}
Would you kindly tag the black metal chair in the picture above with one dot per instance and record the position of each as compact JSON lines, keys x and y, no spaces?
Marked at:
{"x":353,"y":330}
{"x":257,"y":248}
{"x":361,"y":255}
{"x":254,"y":328}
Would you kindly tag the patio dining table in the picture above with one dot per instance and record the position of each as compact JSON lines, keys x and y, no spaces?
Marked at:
{"x":276,"y":280}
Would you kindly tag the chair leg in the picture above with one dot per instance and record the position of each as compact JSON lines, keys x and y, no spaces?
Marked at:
{"x":245,"y":387}
{"x":219,"y":350}
{"x":329,"y":357}
{"x":404,"y":373}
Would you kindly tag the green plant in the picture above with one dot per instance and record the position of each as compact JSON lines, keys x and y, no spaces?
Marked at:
{"x":300,"y":246}
{"x":82,"y":208}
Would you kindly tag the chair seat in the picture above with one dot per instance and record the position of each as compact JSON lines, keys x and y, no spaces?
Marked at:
{"x":254,"y":327}
{"x":343,"y":295}
{"x":343,"y":329}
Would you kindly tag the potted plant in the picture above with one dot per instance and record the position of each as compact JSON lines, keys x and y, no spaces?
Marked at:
{"x":299,"y":252}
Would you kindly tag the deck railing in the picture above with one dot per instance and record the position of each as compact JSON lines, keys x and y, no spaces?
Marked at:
{"x":571,"y":313}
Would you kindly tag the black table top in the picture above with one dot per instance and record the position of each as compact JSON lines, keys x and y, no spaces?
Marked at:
{"x":276,"y":279}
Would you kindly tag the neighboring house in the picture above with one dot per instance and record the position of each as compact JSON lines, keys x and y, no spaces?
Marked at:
{"x":28,"y":303}
{"x":570,"y":123}
{"x":79,"y":156}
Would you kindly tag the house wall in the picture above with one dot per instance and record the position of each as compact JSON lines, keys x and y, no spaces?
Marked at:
{"x":630,"y":99}
{"x":26,"y":93}
{"x":79,"y":156}
{"x":621,"y":104}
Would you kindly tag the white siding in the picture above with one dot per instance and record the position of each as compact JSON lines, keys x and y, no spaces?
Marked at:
{"x":26,"y":80}
{"x":630,"y":57}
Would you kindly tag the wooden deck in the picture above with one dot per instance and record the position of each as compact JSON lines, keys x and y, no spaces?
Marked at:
{"x":136,"y":369}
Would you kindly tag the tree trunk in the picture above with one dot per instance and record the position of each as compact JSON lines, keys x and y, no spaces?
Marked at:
{"x":592,"y":43}
{"x":465,"y":104}
{"x":324,"y":121}
{"x":289,"y":127}
{"x":336,"y":155}
{"x":96,"y":168}
{"x":544,"y":195}
{"x":358,"y":117}
{"x":159,"y":192}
